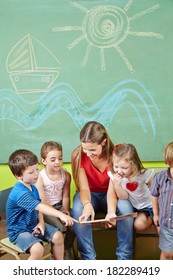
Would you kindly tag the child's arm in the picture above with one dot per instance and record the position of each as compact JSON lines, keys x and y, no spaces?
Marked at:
{"x":40,"y":224}
{"x":151,"y":177}
{"x":149,"y":182}
{"x":66,"y":193}
{"x":40,"y":187}
{"x":50,"y":211}
{"x":111,"y":205}
{"x":155,"y":210}
{"x":111,"y":200}
{"x":116,"y":180}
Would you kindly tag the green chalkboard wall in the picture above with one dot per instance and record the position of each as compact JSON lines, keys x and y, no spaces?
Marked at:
{"x":63,"y":63}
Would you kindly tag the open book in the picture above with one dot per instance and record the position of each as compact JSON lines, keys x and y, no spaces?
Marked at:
{"x":117,"y":218}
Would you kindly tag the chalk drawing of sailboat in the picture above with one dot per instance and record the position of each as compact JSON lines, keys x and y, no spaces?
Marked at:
{"x":32,"y":67}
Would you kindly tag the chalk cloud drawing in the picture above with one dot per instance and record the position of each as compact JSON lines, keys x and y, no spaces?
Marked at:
{"x":31,"y":65}
{"x":62,"y":97}
{"x":105,"y":27}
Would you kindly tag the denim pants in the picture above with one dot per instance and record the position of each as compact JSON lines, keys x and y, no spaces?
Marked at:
{"x":83,"y":233}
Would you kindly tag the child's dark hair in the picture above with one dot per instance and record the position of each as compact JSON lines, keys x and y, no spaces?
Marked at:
{"x":49,"y":146}
{"x":129,"y":153}
{"x":20,"y":160}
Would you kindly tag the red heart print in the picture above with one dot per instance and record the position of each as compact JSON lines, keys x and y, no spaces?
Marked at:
{"x":132,"y":186}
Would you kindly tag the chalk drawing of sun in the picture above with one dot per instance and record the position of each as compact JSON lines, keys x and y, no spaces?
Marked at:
{"x":105,"y":27}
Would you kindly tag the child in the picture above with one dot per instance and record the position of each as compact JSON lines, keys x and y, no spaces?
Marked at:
{"x":24,"y":210}
{"x":130,"y":180}
{"x":162,"y":200}
{"x":54,"y":188}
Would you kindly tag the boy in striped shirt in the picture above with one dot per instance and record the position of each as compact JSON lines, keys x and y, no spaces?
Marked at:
{"x":24,"y":210}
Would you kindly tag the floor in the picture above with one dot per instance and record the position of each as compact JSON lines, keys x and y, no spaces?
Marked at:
{"x":146,"y":247}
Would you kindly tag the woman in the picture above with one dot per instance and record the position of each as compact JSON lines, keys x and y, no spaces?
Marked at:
{"x":90,"y":163}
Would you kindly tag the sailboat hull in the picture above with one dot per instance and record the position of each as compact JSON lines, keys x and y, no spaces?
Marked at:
{"x":37,"y":81}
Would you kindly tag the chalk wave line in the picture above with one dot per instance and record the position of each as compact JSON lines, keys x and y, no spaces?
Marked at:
{"x":62,"y":97}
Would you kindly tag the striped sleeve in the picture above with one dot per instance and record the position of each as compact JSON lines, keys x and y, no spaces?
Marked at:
{"x":28,"y":202}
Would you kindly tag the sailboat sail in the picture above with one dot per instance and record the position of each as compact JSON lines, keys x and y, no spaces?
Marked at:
{"x":20,"y":57}
{"x":32,"y":66}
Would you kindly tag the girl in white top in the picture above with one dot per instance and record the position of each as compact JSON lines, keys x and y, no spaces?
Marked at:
{"x":130,"y":180}
{"x":54,"y":186}
{"x":56,"y":192}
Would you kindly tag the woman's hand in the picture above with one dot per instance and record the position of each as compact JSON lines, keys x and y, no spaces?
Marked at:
{"x":88,"y":211}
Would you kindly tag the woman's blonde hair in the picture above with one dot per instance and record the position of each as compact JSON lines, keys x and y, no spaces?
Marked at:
{"x":168,"y":154}
{"x":129,"y":153}
{"x":92,"y":132}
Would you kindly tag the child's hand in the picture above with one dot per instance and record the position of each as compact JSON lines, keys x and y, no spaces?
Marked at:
{"x":67,"y":219}
{"x":117,"y":179}
{"x":40,"y":227}
{"x":66,"y":212}
{"x":156,"y":220}
{"x":112,"y":220}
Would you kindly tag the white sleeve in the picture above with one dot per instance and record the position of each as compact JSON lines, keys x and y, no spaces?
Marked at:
{"x":148,"y":173}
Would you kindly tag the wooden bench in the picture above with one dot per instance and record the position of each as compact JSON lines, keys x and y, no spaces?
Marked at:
{"x":7,"y":247}
{"x":145,"y":244}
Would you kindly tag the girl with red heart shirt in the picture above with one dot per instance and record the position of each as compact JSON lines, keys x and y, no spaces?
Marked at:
{"x":130,"y":180}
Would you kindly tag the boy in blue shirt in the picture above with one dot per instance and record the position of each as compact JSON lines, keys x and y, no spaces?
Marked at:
{"x":24,"y":210}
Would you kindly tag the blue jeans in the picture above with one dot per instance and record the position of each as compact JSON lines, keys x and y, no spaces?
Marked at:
{"x":83,"y":233}
{"x":25,"y":239}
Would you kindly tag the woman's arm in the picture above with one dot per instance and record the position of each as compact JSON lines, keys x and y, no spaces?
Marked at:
{"x":81,"y":182}
{"x":85,"y":194}
{"x":85,"y":197}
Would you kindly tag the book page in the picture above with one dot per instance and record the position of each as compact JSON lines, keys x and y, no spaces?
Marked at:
{"x":117,"y":218}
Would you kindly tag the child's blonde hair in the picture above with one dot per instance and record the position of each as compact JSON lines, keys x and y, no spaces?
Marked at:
{"x":49,"y":146}
{"x":168,"y":154}
{"x":129,"y":153}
